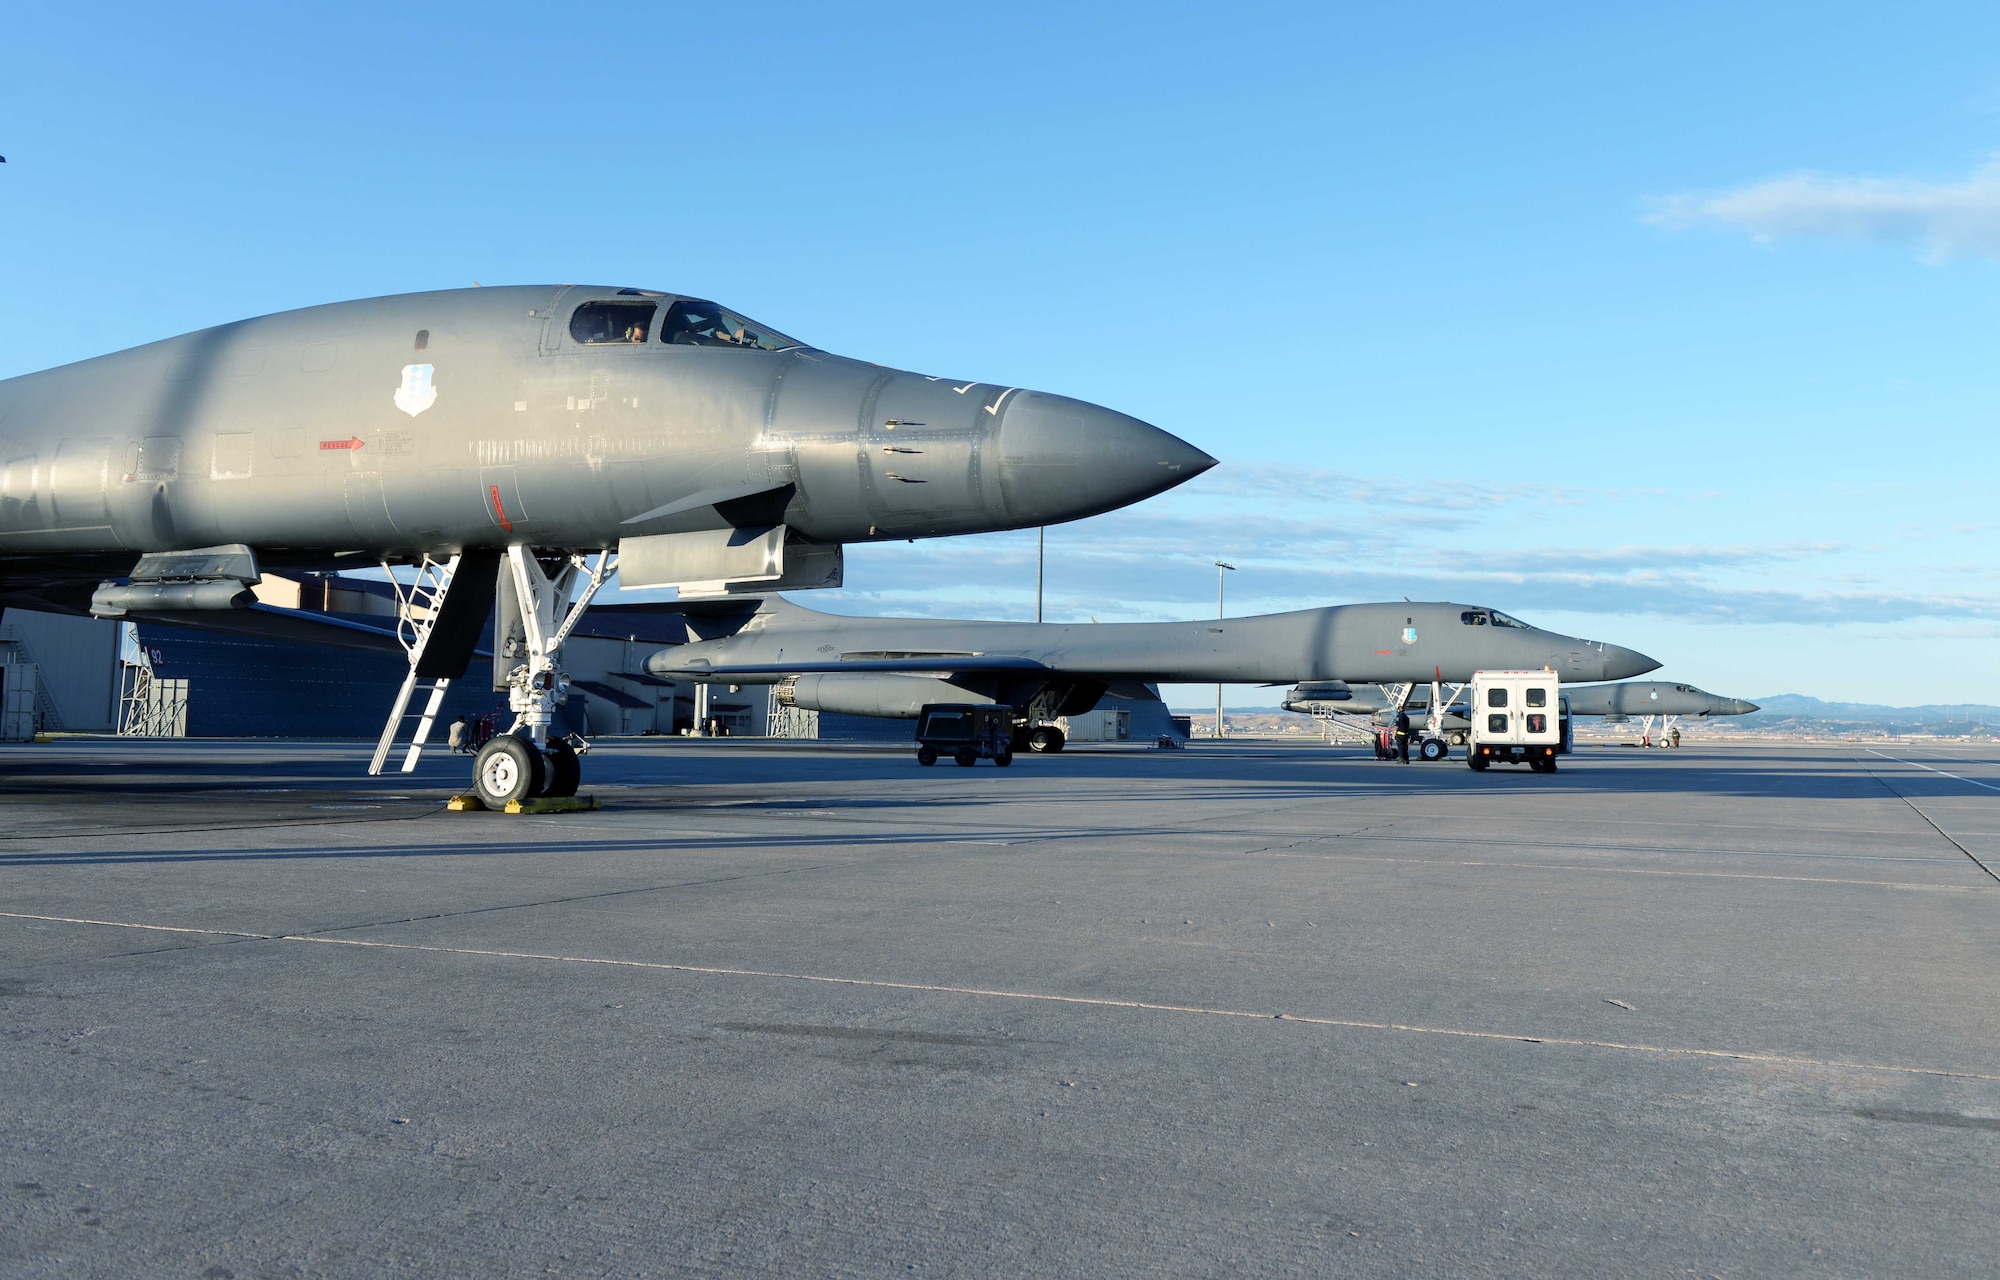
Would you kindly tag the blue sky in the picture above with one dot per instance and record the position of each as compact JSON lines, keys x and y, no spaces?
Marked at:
{"x":1676,"y":329}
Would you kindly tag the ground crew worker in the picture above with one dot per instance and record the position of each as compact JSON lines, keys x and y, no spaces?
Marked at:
{"x":1677,"y":735}
{"x":1402,"y":735}
{"x":456,"y":736}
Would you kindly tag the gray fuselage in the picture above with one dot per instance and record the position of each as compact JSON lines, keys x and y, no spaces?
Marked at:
{"x":433,"y":422}
{"x":1354,"y":642}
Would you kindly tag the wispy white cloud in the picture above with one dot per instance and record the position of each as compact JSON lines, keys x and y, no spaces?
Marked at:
{"x":1945,"y":220}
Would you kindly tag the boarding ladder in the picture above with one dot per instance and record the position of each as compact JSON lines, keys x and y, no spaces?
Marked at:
{"x":417,"y":609}
{"x":1347,"y":730}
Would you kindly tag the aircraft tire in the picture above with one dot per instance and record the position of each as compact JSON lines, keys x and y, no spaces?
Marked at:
{"x":1039,"y":738}
{"x":1003,"y":758}
{"x":1057,"y":739}
{"x":966,"y":757}
{"x":565,"y":774}
{"x":926,"y":756}
{"x":1432,"y":749}
{"x":508,"y":768}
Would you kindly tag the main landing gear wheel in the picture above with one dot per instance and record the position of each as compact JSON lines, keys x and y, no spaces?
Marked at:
{"x":966,"y":757}
{"x":1045,"y":738}
{"x":1432,"y":749}
{"x":1003,"y":758}
{"x":508,"y":768}
{"x":564,"y":773}
{"x":927,"y":756}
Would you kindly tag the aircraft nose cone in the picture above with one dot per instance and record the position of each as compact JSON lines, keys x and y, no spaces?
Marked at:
{"x":1738,"y":707}
{"x":1063,"y":459}
{"x":1621,"y":663}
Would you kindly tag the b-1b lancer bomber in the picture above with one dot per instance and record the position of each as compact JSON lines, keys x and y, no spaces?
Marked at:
{"x":496,"y":439}
{"x":1613,"y":701}
{"x":894,"y":666}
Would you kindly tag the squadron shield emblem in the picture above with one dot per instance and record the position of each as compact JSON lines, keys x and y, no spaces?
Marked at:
{"x":1409,"y":635}
{"x":416,"y":394}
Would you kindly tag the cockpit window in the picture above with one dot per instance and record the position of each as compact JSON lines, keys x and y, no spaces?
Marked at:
{"x":598,"y":323}
{"x":703,"y":324}
{"x":1473,"y":617}
{"x":1502,"y":620}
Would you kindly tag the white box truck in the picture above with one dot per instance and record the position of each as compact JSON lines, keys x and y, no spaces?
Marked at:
{"x":1516,"y":719}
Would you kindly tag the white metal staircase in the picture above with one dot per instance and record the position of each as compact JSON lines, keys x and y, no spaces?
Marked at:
{"x":417,"y":609}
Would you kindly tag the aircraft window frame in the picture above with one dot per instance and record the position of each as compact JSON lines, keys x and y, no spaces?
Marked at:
{"x":1502,"y":620}
{"x":619,"y":313}
{"x":1536,"y":698}
{"x":1473,"y":617}
{"x":1496,"y":698}
{"x":721,"y":327}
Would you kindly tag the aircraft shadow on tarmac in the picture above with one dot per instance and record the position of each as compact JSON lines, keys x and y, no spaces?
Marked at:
{"x":679,"y":781}
{"x":185,"y":795}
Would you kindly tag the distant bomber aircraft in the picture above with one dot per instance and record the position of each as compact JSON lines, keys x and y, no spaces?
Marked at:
{"x":1616,"y":701}
{"x":494,"y":438}
{"x":893,"y":666}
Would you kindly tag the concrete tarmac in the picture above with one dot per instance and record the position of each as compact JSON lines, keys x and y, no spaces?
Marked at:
{"x":807,"y":1010}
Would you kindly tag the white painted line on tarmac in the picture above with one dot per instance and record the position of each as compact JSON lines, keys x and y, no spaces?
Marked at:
{"x":127,"y":924}
{"x":1154,"y":1006}
{"x":1920,"y":765}
{"x":1950,"y":839}
{"x":1042,"y":997}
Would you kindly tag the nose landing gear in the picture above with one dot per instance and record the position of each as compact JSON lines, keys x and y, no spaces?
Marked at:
{"x":537,"y":686}
{"x":537,"y":615}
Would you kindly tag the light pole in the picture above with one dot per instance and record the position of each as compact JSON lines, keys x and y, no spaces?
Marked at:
{"x":1221,"y":567}
{"x":1041,"y":536}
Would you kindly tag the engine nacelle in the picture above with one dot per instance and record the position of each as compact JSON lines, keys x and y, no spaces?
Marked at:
{"x":893,"y":697}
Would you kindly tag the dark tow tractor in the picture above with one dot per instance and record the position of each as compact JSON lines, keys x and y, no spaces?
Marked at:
{"x":967,"y":732}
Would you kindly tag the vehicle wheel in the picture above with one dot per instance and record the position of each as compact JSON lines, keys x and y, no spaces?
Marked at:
{"x":1003,"y":758}
{"x":1477,"y":762}
{"x":564,"y":773}
{"x":966,"y":757}
{"x":1432,"y":749}
{"x":508,"y":768}
{"x":927,"y":756}
{"x":1549,"y":765}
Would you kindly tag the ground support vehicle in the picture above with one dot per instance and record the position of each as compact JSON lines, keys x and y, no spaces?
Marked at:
{"x":1517,"y":719}
{"x":968,"y":732}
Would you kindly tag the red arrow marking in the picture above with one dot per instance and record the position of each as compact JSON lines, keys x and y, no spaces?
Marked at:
{"x":499,"y":512}
{"x":352,"y":442}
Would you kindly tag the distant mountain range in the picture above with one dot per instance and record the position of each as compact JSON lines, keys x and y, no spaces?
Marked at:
{"x":1783,"y":708}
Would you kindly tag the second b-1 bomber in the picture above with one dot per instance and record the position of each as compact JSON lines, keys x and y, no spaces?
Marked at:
{"x":1614,"y":702}
{"x":893,"y":667}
